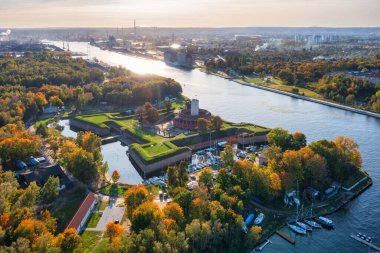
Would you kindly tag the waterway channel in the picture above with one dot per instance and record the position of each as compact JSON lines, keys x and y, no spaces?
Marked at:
{"x":238,"y":103}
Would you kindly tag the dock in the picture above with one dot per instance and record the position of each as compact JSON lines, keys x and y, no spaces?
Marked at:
{"x":369,"y":244}
{"x":287,"y":238}
{"x":262,"y":246}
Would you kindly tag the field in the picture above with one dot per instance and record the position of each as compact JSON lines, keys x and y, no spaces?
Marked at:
{"x":278,"y":85}
{"x":157,"y":147}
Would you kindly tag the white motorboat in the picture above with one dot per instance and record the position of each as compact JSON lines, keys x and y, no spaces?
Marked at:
{"x":259,"y":219}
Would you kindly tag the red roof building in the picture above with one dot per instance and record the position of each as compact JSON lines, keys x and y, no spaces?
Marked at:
{"x":83,"y":213}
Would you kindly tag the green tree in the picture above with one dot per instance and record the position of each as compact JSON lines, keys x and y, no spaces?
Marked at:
{"x":49,"y":192}
{"x":279,"y":137}
{"x":81,"y":163}
{"x":205,"y":178}
{"x":42,"y":130}
{"x":228,"y":155}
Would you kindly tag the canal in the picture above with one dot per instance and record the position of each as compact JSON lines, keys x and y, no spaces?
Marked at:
{"x":238,"y":103}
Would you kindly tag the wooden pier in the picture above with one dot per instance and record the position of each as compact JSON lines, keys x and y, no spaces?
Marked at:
{"x":287,"y":238}
{"x":365,"y":242}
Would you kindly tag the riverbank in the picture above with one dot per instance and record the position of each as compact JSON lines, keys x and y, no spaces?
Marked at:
{"x":310,"y":99}
{"x":314,"y":100}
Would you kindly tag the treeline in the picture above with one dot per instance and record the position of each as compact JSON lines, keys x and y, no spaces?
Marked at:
{"x":347,"y":89}
{"x":206,"y":219}
{"x":315,"y":165}
{"x":35,"y":69}
{"x":19,"y":102}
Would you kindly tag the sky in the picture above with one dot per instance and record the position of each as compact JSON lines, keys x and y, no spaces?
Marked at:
{"x":189,"y":13}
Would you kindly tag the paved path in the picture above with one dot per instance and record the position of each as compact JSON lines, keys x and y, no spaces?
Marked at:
{"x":111,"y":213}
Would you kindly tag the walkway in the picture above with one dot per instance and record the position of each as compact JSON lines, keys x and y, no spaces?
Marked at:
{"x":110,"y":214}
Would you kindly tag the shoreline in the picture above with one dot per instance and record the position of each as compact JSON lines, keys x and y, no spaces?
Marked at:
{"x":306,"y":98}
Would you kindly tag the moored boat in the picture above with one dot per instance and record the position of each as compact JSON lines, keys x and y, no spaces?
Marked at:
{"x":313,"y":224}
{"x":325,"y":222}
{"x":297,"y":229}
{"x":259,"y":219}
{"x":304,"y":226}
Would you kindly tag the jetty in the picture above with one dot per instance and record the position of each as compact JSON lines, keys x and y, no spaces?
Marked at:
{"x":287,"y":238}
{"x":369,"y":244}
{"x":262,"y":246}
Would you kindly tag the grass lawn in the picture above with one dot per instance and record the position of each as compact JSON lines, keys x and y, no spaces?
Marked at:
{"x":114,"y":190}
{"x":103,"y":205}
{"x":43,"y":121}
{"x":90,"y":239}
{"x":278,"y":85}
{"x":102,"y":246}
{"x":66,"y":206}
{"x":158,"y":147}
{"x":94,"y":219}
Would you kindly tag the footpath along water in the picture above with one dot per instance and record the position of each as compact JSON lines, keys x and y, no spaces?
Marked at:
{"x":235,"y":102}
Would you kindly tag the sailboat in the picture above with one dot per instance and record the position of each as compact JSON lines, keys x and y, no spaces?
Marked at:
{"x":297,"y":229}
{"x":312,"y":224}
{"x":304,"y":226}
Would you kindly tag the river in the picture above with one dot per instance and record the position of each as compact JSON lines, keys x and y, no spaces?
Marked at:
{"x":235,"y":102}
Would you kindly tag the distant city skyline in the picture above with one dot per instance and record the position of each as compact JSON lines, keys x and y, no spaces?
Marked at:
{"x":189,"y":13}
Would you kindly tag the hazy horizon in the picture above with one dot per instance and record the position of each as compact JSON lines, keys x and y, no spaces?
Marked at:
{"x":187,"y":13}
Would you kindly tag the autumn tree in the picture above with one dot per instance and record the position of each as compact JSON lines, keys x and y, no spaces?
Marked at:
{"x":216,"y":122}
{"x":203,"y":124}
{"x":115,"y":176}
{"x":298,"y":140}
{"x":152,"y":115}
{"x":134,"y":197}
{"x":175,"y":212}
{"x":113,"y":230}
{"x":146,"y":215}
{"x":68,"y":241}
{"x":56,"y":101}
